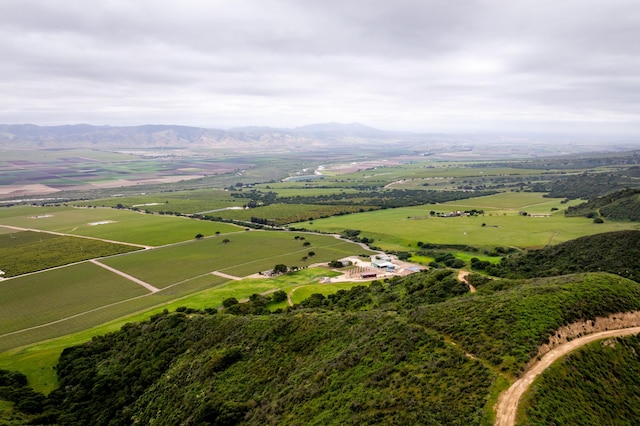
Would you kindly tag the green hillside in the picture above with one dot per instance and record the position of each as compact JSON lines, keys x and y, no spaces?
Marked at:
{"x":620,"y":205}
{"x":614,"y":252}
{"x":597,"y":385}
{"x":416,"y":350}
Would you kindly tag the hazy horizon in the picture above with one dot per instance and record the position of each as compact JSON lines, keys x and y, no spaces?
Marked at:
{"x":418,"y":66}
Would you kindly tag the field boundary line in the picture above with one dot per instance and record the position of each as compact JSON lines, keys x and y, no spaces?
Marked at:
{"x":79,"y":314}
{"x":146,"y":285}
{"x":223,"y":275}
{"x":18,"y":228}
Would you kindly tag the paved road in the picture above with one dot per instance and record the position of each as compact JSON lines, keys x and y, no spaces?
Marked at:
{"x":508,"y":402}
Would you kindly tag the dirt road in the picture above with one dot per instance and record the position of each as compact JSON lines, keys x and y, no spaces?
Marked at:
{"x":462,"y":276}
{"x":508,"y":402}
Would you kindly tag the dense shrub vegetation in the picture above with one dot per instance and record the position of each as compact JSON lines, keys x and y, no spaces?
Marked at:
{"x":614,"y":252}
{"x":588,"y":185}
{"x":374,"y":198}
{"x":336,"y":368}
{"x":620,"y":205}
{"x":597,"y":385}
{"x":414,"y":350}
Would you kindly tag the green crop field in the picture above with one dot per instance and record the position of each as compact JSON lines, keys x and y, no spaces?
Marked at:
{"x":401,"y":229}
{"x":39,"y":298}
{"x":111,"y":224}
{"x":84,"y":295}
{"x":38,"y":360}
{"x":246,"y":253}
{"x":185,"y":202}
{"x":26,"y":251}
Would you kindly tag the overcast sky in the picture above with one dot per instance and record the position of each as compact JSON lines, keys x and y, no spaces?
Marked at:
{"x":420,"y":65}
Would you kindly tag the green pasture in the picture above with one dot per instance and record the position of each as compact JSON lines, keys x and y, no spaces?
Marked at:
{"x":401,"y":229}
{"x":246,"y":253}
{"x":508,"y":202}
{"x":112,"y":224}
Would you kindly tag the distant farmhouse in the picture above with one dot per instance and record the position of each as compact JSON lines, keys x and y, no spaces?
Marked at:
{"x":382,"y":262}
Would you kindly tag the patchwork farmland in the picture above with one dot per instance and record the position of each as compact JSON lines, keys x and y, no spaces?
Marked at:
{"x":84,"y":294}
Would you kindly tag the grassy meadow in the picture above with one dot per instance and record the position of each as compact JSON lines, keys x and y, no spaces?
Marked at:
{"x":501,"y":224}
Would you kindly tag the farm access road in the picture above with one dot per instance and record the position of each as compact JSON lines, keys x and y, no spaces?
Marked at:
{"x":17,"y":228}
{"x":508,"y":401}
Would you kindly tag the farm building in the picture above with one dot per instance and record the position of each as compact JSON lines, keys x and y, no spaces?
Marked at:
{"x":382,"y":262}
{"x":368,"y":275}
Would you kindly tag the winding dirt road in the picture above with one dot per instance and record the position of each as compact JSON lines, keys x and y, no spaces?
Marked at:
{"x":508,"y":402}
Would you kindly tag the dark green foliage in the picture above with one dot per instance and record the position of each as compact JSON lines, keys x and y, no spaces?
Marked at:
{"x":386,"y":198}
{"x":614,"y":252}
{"x":279,"y":296}
{"x":336,"y":368}
{"x":444,"y":258}
{"x":589,"y":185}
{"x":374,"y":354}
{"x":280,"y":268}
{"x":621,"y":205}
{"x":597,"y":385}
{"x":504,"y":322}
{"x":403,"y":255}
{"x":13,"y":387}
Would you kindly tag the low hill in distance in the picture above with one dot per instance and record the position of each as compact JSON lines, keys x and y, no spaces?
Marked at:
{"x":614,"y":252}
{"x":324,"y":137}
{"x":619,"y":205}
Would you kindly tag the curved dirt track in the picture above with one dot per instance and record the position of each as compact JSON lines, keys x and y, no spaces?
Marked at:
{"x":508,"y":402}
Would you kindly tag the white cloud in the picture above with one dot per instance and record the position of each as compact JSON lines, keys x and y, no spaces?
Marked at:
{"x":420,"y":65}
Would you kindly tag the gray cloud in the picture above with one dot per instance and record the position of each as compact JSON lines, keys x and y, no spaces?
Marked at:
{"x":431,"y":65}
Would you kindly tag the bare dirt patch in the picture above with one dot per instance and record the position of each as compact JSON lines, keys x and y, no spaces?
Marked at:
{"x":7,"y":191}
{"x":578,"y":329}
{"x":102,"y":222}
{"x":357,"y":166}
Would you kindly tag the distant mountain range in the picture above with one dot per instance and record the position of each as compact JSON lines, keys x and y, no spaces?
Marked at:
{"x":156,"y":136}
{"x":335,"y":137}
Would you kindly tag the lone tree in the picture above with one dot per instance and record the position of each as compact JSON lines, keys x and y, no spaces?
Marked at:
{"x":227,"y":303}
{"x":279,"y":296}
{"x":199,"y":237}
{"x":226,"y":241}
{"x":311,"y":253}
{"x":280,"y":269}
